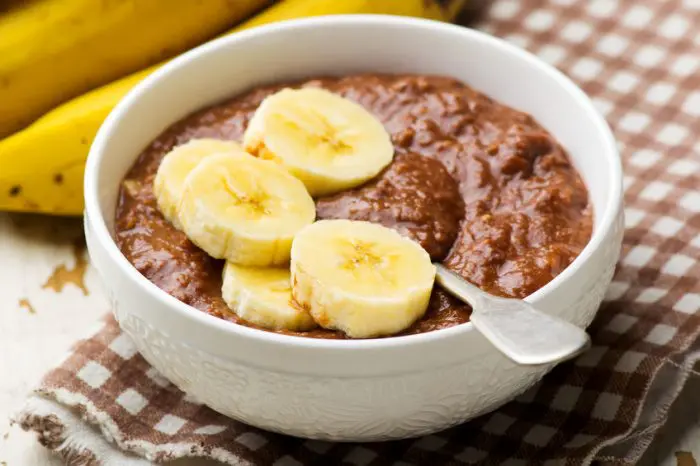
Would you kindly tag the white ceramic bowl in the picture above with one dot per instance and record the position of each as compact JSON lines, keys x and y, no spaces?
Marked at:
{"x":345,"y":390}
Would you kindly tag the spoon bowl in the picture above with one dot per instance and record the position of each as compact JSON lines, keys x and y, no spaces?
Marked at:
{"x":515,"y":327}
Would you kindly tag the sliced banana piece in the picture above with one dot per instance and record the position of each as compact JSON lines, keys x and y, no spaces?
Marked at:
{"x":360,"y":277}
{"x":244,"y":209}
{"x":177,"y":164}
{"x":263,"y":296}
{"x":328,"y":142}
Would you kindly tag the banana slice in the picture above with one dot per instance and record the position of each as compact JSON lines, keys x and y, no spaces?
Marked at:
{"x":263,"y":296}
{"x":177,"y":164}
{"x":328,"y":142}
{"x":360,"y":277}
{"x":244,"y":209}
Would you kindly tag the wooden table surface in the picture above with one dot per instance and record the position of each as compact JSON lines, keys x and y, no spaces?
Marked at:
{"x":50,"y":296}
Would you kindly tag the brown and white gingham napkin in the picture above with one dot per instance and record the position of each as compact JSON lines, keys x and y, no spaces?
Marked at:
{"x":640,"y":62}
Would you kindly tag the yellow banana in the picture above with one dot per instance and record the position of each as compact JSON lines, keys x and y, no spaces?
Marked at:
{"x":179,"y":162}
{"x":53,"y":50}
{"x":41,"y":167}
{"x":243,"y":209}
{"x":330,"y":143}
{"x":359,"y":277}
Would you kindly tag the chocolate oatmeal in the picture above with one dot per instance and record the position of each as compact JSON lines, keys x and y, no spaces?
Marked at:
{"x":482,"y":187}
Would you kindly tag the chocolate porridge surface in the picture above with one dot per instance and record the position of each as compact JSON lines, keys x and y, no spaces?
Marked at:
{"x":482,"y":187}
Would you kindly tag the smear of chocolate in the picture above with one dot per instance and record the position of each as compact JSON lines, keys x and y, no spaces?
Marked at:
{"x":63,"y":275}
{"x":685,"y":458}
{"x":24,"y":302}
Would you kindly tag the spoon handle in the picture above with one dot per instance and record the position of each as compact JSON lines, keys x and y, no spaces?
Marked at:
{"x":521,"y":332}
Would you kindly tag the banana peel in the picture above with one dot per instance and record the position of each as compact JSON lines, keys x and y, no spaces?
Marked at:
{"x":54,"y":50}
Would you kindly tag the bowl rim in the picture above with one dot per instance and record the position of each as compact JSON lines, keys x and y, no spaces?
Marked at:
{"x":95,"y":219}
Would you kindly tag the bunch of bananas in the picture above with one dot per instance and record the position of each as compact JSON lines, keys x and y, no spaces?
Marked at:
{"x":64,"y":64}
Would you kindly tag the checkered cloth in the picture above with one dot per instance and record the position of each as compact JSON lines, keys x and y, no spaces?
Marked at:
{"x":640,"y":62}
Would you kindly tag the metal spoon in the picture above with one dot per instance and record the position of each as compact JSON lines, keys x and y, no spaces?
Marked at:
{"x":515,"y":327}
